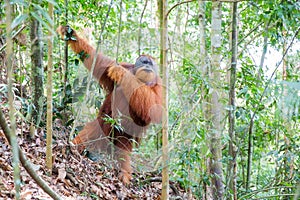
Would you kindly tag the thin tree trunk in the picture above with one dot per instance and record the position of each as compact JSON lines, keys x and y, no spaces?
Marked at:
{"x":205,"y":106}
{"x":9,"y":64}
{"x":284,"y":62}
{"x":249,"y":152}
{"x":37,"y":69}
{"x":216,"y":108}
{"x":66,"y":67}
{"x":250,"y":133}
{"x":232,"y":169}
{"x":203,"y":53}
{"x":49,"y":95}
{"x":140,"y":28}
{"x":163,"y":61}
{"x":264,"y":52}
{"x":288,"y":162}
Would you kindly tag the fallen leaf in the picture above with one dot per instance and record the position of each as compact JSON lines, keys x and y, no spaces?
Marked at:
{"x":61,"y":174}
{"x":26,"y":194}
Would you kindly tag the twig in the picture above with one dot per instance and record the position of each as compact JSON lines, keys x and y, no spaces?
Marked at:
{"x":250,"y":32}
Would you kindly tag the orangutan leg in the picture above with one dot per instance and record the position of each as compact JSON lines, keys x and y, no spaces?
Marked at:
{"x":92,"y":137}
{"x":123,"y":150}
{"x":123,"y":158}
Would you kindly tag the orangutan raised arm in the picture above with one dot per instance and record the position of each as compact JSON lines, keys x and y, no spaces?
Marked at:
{"x":87,"y":54}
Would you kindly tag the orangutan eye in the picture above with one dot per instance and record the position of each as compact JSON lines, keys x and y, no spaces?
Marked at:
{"x":146,"y":61}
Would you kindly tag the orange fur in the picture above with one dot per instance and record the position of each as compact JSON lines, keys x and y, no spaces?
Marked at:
{"x":133,"y":102}
{"x":102,"y":62}
{"x":116,"y":73}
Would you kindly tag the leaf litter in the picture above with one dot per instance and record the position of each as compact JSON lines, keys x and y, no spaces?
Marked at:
{"x":74,"y":176}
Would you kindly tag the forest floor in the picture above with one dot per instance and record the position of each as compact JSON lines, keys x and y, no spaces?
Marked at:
{"x":73,"y":176}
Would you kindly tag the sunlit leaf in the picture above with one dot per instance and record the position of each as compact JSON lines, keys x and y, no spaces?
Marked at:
{"x":19,"y":20}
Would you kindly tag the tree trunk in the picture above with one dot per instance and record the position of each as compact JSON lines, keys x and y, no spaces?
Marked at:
{"x":232,"y":168}
{"x":216,"y":106}
{"x":203,"y":53}
{"x":65,"y":68}
{"x":264,"y":52}
{"x":249,"y":152}
{"x":37,"y":69}
{"x":205,"y":106}
{"x":12,"y":135}
{"x":49,"y":95}
{"x":164,"y":68}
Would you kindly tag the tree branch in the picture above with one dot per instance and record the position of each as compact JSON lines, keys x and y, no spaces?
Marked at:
{"x":140,"y":27}
{"x":189,"y":1}
{"x":178,"y":4}
{"x":26,"y":163}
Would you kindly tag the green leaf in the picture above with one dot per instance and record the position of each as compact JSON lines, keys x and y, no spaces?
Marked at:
{"x":43,"y":13}
{"x":18,"y":20}
{"x":69,"y":123}
{"x":42,"y":22}
{"x":52,"y":2}
{"x":19,"y":2}
{"x":76,"y":62}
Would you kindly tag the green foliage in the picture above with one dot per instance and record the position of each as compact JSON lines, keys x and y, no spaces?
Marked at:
{"x":114,"y":123}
